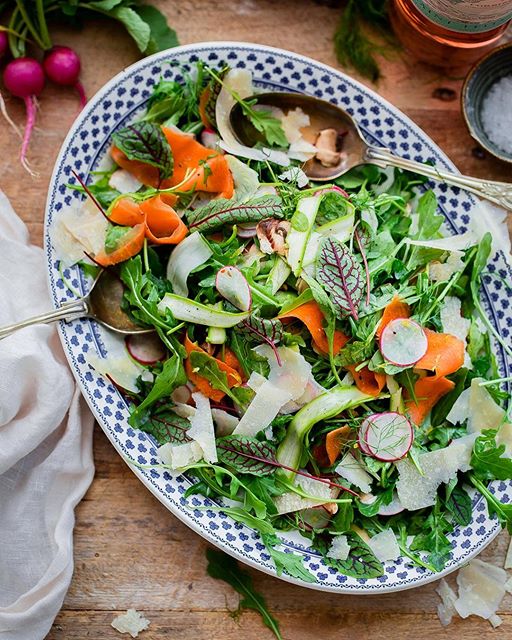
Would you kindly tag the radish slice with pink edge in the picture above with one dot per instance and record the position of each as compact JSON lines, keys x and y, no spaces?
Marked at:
{"x":403,"y":342}
{"x":145,"y":348}
{"x":361,"y":437}
{"x":232,"y":285}
{"x":387,"y":436}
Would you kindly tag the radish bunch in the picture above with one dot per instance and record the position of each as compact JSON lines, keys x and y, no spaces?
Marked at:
{"x":24,"y":77}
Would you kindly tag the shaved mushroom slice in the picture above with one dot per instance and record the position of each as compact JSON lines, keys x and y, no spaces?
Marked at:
{"x":327,"y":145}
{"x":272,"y":235}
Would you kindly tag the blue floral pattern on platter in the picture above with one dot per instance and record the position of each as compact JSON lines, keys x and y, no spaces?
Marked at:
{"x":382,"y":124}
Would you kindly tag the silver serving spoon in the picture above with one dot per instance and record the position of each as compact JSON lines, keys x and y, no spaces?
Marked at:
{"x":356,"y":151}
{"x":103,"y":304}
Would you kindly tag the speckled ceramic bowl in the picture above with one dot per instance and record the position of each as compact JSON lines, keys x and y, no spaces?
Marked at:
{"x":486,"y":72}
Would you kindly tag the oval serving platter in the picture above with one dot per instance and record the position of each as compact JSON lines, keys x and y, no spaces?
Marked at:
{"x":86,"y":148}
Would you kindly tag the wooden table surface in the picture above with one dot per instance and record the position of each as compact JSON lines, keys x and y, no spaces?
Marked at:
{"x":129,"y":550}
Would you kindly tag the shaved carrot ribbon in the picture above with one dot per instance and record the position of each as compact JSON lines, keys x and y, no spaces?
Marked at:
{"x":334,"y":442}
{"x":163,"y":224}
{"x":202,"y":384}
{"x":397,"y":308}
{"x":370,"y":382}
{"x":311,"y":315}
{"x":131,"y":244}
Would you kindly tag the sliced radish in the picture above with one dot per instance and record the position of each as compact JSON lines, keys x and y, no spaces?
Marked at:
{"x":361,"y":437}
{"x":403,"y":342}
{"x":246,"y":230}
{"x":146,"y":348}
{"x":387,"y":436}
{"x":232,"y":285}
{"x":182,"y":394}
{"x":391,"y":509}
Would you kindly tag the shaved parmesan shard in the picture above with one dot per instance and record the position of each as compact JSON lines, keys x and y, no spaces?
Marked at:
{"x":77,"y":229}
{"x":320,"y":493}
{"x":240,"y":81}
{"x":201,"y":427}
{"x":443,"y":271}
{"x":459,"y":413}
{"x":495,"y":620}
{"x":339,"y":548}
{"x":118,"y":365}
{"x":481,"y":589}
{"x":225,"y":423}
{"x":131,"y":622}
{"x":292,"y":374}
{"x":453,"y":323}
{"x":263,"y":409}
{"x":312,"y":391}
{"x":385,"y":545}
{"x":484,"y":413}
{"x":353,"y":471}
{"x":418,"y":490}
{"x":180,"y":455}
{"x":453,"y":244}
{"x":446,"y":608}
{"x":292,"y":122}
{"x":124,"y":182}
{"x":302,"y":150}
{"x":255,"y":381}
{"x":294,"y":174}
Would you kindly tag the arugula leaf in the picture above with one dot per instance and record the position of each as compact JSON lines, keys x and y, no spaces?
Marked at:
{"x":341,"y":276}
{"x":486,"y":459}
{"x":161,"y":35}
{"x":443,"y":407}
{"x":207,"y":367}
{"x":172,"y":375}
{"x":264,"y":122}
{"x":221,"y":212}
{"x":167,"y":426}
{"x":247,"y":455}
{"x":354,"y":353}
{"x":459,"y":505}
{"x":343,"y":518}
{"x":502,"y":511}
{"x":361,"y":561}
{"x":292,"y":564}
{"x":145,"y":142}
{"x":333,"y":206}
{"x":223,"y":567}
{"x":433,"y":538}
{"x":114,"y":236}
{"x":249,"y":359}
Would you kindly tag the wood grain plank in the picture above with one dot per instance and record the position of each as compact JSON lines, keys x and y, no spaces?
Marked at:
{"x":306,"y":625}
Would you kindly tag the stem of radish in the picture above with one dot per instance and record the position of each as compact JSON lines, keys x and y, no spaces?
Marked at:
{"x":81,"y":93}
{"x":30,"y":107}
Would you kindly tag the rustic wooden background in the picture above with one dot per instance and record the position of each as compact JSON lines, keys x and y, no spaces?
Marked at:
{"x":129,"y":550}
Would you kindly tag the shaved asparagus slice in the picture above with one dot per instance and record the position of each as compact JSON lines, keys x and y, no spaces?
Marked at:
{"x":232,"y":285}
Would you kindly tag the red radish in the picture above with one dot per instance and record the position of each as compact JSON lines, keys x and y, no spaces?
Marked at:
{"x":24,"y":78}
{"x":361,"y":438}
{"x":391,"y":509}
{"x":4,"y":44}
{"x":232,"y":285}
{"x":333,"y":187}
{"x":62,"y":66}
{"x":182,"y":394}
{"x":145,"y":348}
{"x":403,"y":342}
{"x":315,"y":517}
{"x":246,"y":230}
{"x":209,"y":138}
{"x":388,"y":436}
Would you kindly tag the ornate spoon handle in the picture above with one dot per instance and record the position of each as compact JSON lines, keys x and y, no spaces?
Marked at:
{"x":67,"y":311}
{"x":499,"y":193}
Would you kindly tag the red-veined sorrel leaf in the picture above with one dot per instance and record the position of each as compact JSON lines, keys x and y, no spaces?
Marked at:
{"x":167,"y":427}
{"x":265,"y":330}
{"x":247,"y":455}
{"x":220,"y":212}
{"x":341,"y":276}
{"x":145,"y":142}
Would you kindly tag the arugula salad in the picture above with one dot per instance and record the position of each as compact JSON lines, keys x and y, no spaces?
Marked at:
{"x":321,"y":361}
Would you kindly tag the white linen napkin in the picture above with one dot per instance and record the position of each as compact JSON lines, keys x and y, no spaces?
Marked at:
{"x":46,"y":461}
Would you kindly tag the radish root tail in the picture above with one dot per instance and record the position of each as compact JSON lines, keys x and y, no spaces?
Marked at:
{"x":30,"y":106}
{"x":10,"y":121}
{"x":79,"y":88}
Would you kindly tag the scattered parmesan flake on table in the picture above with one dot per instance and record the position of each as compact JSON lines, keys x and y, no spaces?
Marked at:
{"x":201,"y":427}
{"x":481,"y":589}
{"x":508,"y":562}
{"x":484,"y":413}
{"x":385,"y":545}
{"x":495,"y":620}
{"x":416,"y":490}
{"x":453,"y":323}
{"x":353,"y":471}
{"x":131,"y":622}
{"x":446,"y":608}
{"x":508,"y":585}
{"x":339,"y":548}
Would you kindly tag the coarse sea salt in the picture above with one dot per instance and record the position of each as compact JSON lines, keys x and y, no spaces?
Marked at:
{"x":497,"y":114}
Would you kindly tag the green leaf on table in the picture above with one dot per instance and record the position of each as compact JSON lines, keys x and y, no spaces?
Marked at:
{"x":223,"y":567}
{"x":341,"y":276}
{"x":247,"y":455}
{"x":220,"y":212}
{"x":486,"y":459}
{"x":172,"y":375}
{"x":145,"y":142}
{"x":139,"y":30}
{"x":161,"y":36}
